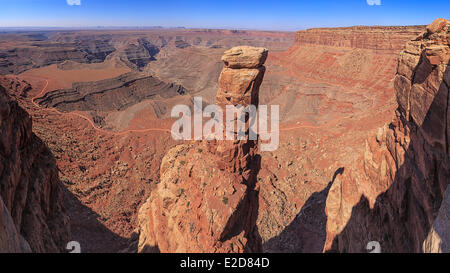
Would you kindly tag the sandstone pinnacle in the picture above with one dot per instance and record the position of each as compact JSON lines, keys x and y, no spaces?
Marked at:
{"x":239,"y":85}
{"x":207,"y":199}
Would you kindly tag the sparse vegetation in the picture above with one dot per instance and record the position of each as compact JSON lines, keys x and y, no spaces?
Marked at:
{"x":200,"y":151}
{"x":180,"y":191}
{"x":225,"y":200}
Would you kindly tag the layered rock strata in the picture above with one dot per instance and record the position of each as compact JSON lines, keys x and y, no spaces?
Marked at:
{"x":138,"y":56}
{"x":387,"y":39}
{"x":32,"y":215}
{"x":111,"y":94}
{"x":207,"y":199}
{"x":30,"y":55}
{"x":239,"y":85}
{"x":393,"y":194}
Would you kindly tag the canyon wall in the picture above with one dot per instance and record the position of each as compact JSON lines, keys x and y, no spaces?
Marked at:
{"x":32,"y":215}
{"x":207,"y":199}
{"x":34,"y":54}
{"x":111,"y":94}
{"x":393,"y":193}
{"x":359,"y":58}
{"x":383,"y":39}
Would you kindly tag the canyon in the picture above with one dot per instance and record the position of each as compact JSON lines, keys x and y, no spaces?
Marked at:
{"x":102,"y":107}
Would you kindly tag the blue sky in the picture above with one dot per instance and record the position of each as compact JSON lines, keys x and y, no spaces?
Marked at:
{"x":246,"y":14}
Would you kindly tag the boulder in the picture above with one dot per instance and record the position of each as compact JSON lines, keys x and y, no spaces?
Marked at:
{"x":245,"y":57}
{"x":437,"y":25}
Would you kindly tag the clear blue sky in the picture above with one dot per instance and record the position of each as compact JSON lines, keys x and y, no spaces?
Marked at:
{"x":250,"y":14}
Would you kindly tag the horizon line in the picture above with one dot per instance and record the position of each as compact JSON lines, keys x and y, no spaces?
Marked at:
{"x":188,"y":28}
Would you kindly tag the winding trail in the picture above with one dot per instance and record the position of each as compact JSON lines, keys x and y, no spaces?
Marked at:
{"x":156,"y":129}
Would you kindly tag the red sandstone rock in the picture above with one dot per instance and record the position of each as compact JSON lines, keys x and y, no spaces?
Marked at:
{"x":393,"y":193}
{"x":245,"y":57}
{"x":437,"y":25}
{"x":206,"y":200}
{"x":388,"y":39}
{"x":14,"y":86}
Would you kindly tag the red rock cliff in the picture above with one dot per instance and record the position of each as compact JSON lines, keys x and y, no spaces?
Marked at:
{"x":394,"y":192}
{"x":207,"y":199}
{"x":353,"y":57}
{"x":385,"y":39}
{"x":32,"y":216}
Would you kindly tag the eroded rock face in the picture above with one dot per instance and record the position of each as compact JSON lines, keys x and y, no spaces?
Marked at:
{"x":393,"y":193}
{"x":12,"y":241}
{"x":239,"y":86}
{"x":32,"y":216}
{"x":19,"y":87}
{"x":388,"y":39}
{"x":245,"y":57}
{"x":207,"y":200}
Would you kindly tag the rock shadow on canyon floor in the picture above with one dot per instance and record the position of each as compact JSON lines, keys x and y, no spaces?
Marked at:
{"x":93,"y":236}
{"x":307,"y":232}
